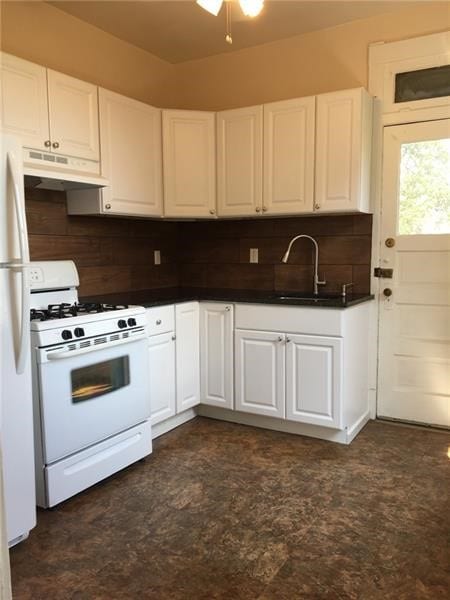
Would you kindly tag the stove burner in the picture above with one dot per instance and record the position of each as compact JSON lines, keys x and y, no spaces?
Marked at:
{"x":65,"y":310}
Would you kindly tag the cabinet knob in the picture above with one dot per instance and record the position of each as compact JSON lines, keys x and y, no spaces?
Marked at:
{"x":227,"y":308}
{"x":316,"y":206}
{"x":174,"y":337}
{"x":387,"y":292}
{"x":47,"y":143}
{"x":258,"y":209}
{"x":107,"y":206}
{"x":158,"y":322}
{"x":264,"y":208}
{"x":288,"y":340}
{"x":280,"y":338}
{"x":212,"y":211}
{"x":55,"y":145}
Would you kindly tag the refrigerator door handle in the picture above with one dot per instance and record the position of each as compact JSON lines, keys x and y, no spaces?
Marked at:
{"x":16,"y":180}
{"x":24,"y":333}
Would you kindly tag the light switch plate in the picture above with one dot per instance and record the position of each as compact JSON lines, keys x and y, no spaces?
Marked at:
{"x":157,"y":257}
{"x":254,"y":258}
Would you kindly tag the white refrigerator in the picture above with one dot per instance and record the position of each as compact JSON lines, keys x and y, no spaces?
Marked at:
{"x":16,"y":408}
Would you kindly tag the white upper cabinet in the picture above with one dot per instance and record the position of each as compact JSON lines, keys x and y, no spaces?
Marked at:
{"x":23,"y":102}
{"x":189,"y":160}
{"x":343,"y":151}
{"x":130,"y":136}
{"x":289,"y":156}
{"x":73,"y":110}
{"x":239,"y":161}
{"x":49,"y":110}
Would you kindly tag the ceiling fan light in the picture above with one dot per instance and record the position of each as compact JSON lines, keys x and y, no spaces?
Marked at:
{"x":212,"y":6}
{"x":251,"y":8}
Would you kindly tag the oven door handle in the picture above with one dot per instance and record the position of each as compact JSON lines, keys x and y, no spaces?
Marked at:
{"x":73,"y":353}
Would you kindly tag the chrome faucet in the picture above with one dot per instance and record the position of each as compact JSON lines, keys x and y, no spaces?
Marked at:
{"x":285,"y":258}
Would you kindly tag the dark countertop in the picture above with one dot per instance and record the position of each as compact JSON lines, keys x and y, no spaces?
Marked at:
{"x":159,"y":297}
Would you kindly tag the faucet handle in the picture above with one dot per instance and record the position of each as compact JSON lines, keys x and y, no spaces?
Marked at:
{"x":344,"y":288}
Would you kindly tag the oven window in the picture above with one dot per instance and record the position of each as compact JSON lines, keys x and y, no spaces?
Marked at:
{"x":102,"y":378}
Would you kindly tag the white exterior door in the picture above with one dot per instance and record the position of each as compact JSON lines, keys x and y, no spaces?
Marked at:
{"x":216,"y":354}
{"x":414,"y":335}
{"x":343,"y":151}
{"x":187,"y":355}
{"x":23,"y":101}
{"x":73,"y":109}
{"x":289,"y":156}
{"x":314,"y":379}
{"x":239,"y":161}
{"x":189,"y":157}
{"x":260,"y":372}
{"x":161,"y":356}
{"x":130,"y":136}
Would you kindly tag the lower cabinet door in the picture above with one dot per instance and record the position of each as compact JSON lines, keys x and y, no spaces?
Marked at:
{"x":216,"y":354}
{"x":313,"y":381}
{"x":260,"y":372}
{"x":161,"y":352}
{"x":188,"y":355}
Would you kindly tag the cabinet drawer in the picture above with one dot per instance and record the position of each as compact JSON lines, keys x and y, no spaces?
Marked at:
{"x":293,"y":319}
{"x":160,"y":319}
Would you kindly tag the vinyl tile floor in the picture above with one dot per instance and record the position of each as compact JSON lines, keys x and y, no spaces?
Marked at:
{"x":224,"y":511}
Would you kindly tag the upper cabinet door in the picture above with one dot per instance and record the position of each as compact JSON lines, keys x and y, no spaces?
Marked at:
{"x":23,"y":101}
{"x":130,"y":136}
{"x":289,"y":156}
{"x":343,"y":151}
{"x":73,"y":108}
{"x":189,"y":160}
{"x":239,"y":161}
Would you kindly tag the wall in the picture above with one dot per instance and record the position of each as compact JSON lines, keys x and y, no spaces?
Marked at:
{"x":41,"y":33}
{"x":321,"y":61}
{"x":216,"y":254}
{"x":111,"y":254}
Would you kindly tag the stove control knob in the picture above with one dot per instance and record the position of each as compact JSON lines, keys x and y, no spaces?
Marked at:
{"x":132,"y":322}
{"x":121,"y":323}
{"x":66,"y":334}
{"x":79,"y":332}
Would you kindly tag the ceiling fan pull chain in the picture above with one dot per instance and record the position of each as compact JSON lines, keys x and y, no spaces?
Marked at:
{"x":228,"y":37}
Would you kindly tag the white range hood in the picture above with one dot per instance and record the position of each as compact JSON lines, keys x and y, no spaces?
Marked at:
{"x":50,"y":171}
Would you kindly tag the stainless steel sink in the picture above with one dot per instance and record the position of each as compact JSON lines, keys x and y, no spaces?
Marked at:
{"x":310,"y":298}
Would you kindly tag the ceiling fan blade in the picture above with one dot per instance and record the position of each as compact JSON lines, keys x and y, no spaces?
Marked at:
{"x":212,"y":6}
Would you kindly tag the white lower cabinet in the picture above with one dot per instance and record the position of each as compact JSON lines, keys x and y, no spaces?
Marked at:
{"x":313,"y":380}
{"x":161,"y":356}
{"x":187,"y":355}
{"x":216,"y":354}
{"x":260,"y":372}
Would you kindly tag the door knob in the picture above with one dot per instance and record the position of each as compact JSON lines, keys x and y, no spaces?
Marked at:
{"x":387,"y":292}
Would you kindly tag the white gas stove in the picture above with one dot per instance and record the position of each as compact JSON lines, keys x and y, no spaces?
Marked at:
{"x":90,"y":384}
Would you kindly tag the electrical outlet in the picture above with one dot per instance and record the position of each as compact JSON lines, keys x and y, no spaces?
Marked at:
{"x":157,"y":257}
{"x":35,"y":275}
{"x":254,"y":255}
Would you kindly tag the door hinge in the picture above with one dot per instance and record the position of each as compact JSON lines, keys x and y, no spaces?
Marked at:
{"x":383,"y":273}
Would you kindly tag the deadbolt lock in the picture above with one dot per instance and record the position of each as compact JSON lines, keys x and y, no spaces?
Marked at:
{"x":390,"y":242}
{"x":387,"y":292}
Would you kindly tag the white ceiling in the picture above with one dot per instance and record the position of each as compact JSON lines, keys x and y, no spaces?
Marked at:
{"x":177,"y":31}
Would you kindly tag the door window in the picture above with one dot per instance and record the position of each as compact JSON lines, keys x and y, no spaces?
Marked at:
{"x":424,"y":194}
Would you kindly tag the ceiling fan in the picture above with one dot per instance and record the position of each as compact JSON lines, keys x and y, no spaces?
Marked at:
{"x":250,"y":8}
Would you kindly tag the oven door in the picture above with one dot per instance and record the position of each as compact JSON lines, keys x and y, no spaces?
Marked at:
{"x":88,"y":396}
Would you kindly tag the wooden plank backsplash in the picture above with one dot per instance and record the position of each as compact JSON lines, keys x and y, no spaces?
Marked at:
{"x":111,"y":254}
{"x":116,"y":255}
